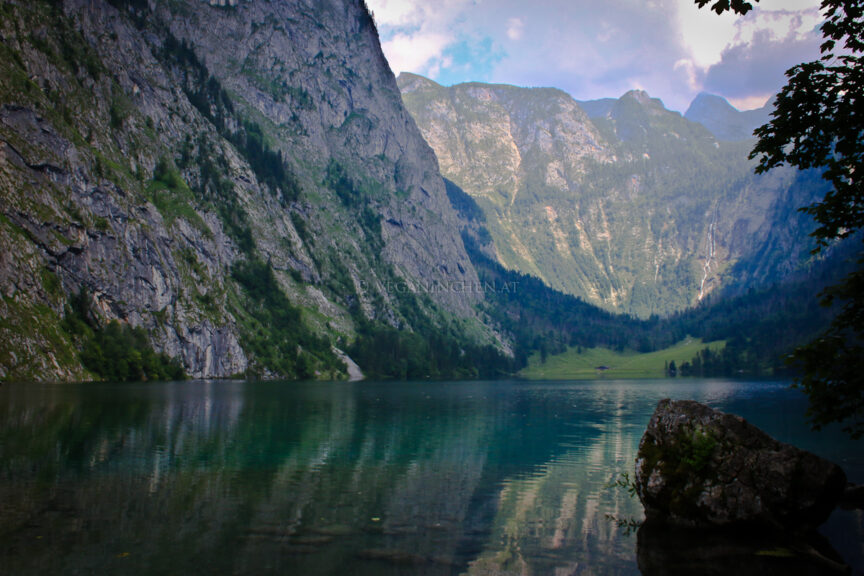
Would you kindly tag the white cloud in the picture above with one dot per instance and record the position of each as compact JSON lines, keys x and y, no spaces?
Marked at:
{"x":705,"y":34}
{"x":601,"y":49}
{"x":515,"y":28}
{"x":754,"y":69}
{"x":415,"y":34}
{"x":593,"y":49}
{"x":691,"y":71}
{"x":396,"y":12}
{"x":743,"y":57}
{"x":416,"y":53}
{"x":787,"y":5}
{"x":436,"y":65}
{"x":781,"y":25}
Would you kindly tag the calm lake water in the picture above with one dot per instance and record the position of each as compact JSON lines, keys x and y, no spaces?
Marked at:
{"x":444,"y":478}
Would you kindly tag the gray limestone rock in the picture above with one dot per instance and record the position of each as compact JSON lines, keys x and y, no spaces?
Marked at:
{"x":700,"y":467}
{"x":638,"y":210}
{"x":79,"y":205}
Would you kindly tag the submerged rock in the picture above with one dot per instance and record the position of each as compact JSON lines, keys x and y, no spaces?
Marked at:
{"x":700,"y":467}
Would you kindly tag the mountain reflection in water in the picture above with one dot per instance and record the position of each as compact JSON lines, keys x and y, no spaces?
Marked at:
{"x":346,"y":478}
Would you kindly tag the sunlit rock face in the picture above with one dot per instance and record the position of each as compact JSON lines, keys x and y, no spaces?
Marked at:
{"x":621,"y":202}
{"x":697,"y":466}
{"x":94,"y":94}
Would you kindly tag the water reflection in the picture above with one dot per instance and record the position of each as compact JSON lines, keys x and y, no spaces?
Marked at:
{"x":668,"y":551}
{"x":264,"y":478}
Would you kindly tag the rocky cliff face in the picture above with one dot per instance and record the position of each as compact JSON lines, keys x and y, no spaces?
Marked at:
{"x":498,"y":140}
{"x":149,"y":151}
{"x":634,"y":209}
{"x":697,"y":466}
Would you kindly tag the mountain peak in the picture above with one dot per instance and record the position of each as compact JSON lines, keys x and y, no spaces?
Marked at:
{"x":724,"y":120}
{"x":709,"y":102}
{"x":640,"y":95}
{"x":623,"y":211}
{"x":409,"y":82}
{"x":643,"y":98}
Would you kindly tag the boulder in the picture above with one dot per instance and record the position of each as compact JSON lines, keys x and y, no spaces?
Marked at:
{"x":700,"y":467}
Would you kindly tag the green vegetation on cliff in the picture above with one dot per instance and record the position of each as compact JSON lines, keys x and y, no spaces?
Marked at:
{"x":116,"y":352}
{"x":244,"y":204}
{"x":274,"y":335}
{"x":634,"y":209}
{"x":248,"y":206}
{"x":558,"y":335}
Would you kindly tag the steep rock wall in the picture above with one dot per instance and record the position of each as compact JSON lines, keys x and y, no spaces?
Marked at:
{"x":94,"y":95}
{"x":635,"y":209}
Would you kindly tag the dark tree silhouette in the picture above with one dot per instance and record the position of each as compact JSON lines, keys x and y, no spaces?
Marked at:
{"x":817,"y":123}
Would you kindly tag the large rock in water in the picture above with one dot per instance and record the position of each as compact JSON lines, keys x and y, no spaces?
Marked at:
{"x":700,"y":467}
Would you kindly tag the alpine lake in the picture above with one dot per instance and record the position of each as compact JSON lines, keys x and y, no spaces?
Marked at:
{"x":345,"y":478}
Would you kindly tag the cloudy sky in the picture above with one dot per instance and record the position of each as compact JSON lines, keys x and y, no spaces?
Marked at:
{"x":595,"y":49}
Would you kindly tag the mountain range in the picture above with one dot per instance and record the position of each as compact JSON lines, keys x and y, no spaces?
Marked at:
{"x":240,"y":181}
{"x":621,"y":202}
{"x":242,"y":188}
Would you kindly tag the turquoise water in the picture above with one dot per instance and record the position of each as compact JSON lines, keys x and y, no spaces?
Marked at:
{"x":486,"y":478}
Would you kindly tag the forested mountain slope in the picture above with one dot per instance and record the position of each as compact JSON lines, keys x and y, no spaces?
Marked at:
{"x":634,"y":208}
{"x":240,"y":182}
{"x":236,"y":188}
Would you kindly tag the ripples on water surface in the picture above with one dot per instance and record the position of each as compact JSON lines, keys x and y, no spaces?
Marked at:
{"x":348,"y":478}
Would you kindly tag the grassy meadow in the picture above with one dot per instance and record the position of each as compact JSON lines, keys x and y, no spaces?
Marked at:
{"x":583,"y":365}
